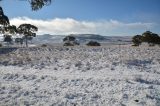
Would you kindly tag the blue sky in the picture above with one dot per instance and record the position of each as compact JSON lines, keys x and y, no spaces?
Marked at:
{"x":106,"y":17}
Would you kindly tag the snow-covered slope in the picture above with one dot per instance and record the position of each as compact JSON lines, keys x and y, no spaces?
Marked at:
{"x":112,"y":75}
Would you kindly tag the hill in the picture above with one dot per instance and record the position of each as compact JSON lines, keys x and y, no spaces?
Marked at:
{"x":82,"y":38}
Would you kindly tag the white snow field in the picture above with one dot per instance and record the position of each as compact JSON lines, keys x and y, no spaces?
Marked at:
{"x":110,"y":75}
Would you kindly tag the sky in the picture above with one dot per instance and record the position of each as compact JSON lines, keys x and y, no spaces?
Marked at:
{"x":104,"y":17}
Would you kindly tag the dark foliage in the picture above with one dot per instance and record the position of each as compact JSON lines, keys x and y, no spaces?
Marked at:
{"x":37,"y":4}
{"x":137,"y":40}
{"x":19,"y":41}
{"x":28,"y":31}
{"x":69,"y":38}
{"x":148,"y":37}
{"x":70,"y":41}
{"x":7,"y":38}
{"x":93,"y":43}
{"x":3,"y":18}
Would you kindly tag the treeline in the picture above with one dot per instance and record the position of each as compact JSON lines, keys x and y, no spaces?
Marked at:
{"x":26,"y":31}
{"x":71,"y":41}
{"x":147,"y":37}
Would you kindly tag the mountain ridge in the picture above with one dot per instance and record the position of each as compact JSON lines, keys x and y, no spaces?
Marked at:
{"x":81,"y":38}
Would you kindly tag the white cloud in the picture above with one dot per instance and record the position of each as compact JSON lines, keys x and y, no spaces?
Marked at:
{"x":69,"y":25}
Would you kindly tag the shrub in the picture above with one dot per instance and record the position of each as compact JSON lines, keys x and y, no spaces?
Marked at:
{"x":93,"y":43}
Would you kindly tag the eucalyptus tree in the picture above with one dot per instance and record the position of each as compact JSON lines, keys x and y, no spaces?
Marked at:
{"x":27,"y":30}
{"x":37,"y":4}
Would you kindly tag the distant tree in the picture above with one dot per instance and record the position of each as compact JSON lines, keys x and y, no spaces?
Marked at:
{"x":70,"y":41}
{"x":150,"y":38}
{"x":19,"y":41}
{"x":37,"y":4}
{"x":30,"y":38}
{"x":27,"y":30}
{"x":8,"y":39}
{"x":93,"y":43}
{"x":137,"y":40}
{"x":8,"y":31}
{"x":69,"y":38}
{"x":147,"y":37}
{"x":11,"y":29}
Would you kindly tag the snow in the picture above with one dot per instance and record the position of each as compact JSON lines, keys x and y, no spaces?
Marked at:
{"x":110,"y":75}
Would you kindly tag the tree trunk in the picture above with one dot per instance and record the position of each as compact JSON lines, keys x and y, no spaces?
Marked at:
{"x":26,"y":42}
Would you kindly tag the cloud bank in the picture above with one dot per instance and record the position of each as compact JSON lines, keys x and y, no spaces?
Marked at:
{"x":61,"y":26}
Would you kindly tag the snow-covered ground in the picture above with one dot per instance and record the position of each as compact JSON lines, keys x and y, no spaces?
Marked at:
{"x":111,"y":75}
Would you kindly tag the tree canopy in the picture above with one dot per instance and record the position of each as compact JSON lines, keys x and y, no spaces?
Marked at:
{"x":28,"y":31}
{"x":148,"y":37}
{"x":3,"y":18}
{"x":37,"y":4}
{"x":137,"y":40}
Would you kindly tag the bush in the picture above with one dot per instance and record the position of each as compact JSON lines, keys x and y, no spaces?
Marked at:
{"x":93,"y":43}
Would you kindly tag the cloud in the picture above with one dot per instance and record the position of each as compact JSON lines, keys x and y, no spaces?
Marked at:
{"x":70,"y":26}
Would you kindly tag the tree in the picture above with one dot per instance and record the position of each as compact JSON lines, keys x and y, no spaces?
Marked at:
{"x":70,"y":41}
{"x":6,"y":28}
{"x":19,"y":41}
{"x":27,"y":30}
{"x":69,"y":38}
{"x":8,"y":39}
{"x":11,"y":29}
{"x":37,"y":4}
{"x":4,"y":21}
{"x":137,"y":40}
{"x":147,"y":36}
{"x":150,"y":38}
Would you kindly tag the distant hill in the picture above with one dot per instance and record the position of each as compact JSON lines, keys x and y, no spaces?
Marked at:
{"x":47,"y":38}
{"x":82,"y":38}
